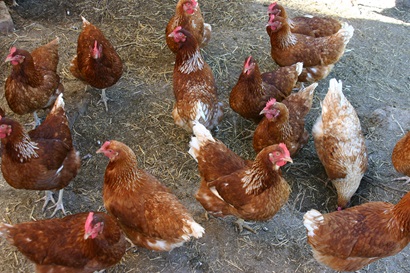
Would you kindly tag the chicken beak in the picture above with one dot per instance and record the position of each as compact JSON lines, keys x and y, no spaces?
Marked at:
{"x":262,"y":112}
{"x":99,"y":151}
{"x":86,"y":235}
{"x":288,"y":159}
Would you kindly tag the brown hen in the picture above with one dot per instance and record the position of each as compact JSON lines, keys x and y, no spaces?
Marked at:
{"x":33,"y":83}
{"x":253,"y":89}
{"x":319,"y":54}
{"x":79,"y":243}
{"x":194,"y":85}
{"x":232,"y":186}
{"x":42,"y":159}
{"x":285,"y":122}
{"x":188,"y":15}
{"x":350,"y":239}
{"x":340,"y":143}
{"x":149,"y":214}
{"x":96,"y":63}
{"x":307,"y":25}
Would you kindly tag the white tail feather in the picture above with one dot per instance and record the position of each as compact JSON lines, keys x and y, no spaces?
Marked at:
{"x":311,"y":219}
{"x":299,"y":67}
{"x":196,"y":229}
{"x":4,"y":229}
{"x":208,"y":26}
{"x":346,"y":31}
{"x":202,"y":135}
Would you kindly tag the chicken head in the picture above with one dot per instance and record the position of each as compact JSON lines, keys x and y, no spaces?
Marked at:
{"x":14,"y":57}
{"x":107,"y":151}
{"x":93,"y":226}
{"x":280,"y":156}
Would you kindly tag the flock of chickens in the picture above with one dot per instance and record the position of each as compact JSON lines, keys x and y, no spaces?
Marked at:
{"x":140,"y":208}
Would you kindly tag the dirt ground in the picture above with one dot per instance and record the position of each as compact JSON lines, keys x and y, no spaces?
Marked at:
{"x":374,"y":71}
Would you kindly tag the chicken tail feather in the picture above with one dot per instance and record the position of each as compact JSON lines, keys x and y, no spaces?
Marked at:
{"x":4,"y":230}
{"x":58,"y":104}
{"x":202,"y":135}
{"x":195,"y":229}
{"x":299,"y":67}
{"x":334,"y":96}
{"x":311,"y":219}
{"x":346,"y":32}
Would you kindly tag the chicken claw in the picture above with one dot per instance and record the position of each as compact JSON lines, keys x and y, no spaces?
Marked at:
{"x":131,"y":243}
{"x":104,"y":99}
{"x":59,"y":205}
{"x":405,"y":178}
{"x":47,"y":198}
{"x":241,"y":224}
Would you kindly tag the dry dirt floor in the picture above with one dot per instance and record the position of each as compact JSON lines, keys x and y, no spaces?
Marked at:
{"x":376,"y":79}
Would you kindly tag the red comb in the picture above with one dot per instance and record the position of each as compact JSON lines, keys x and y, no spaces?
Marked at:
{"x":178,"y":28}
{"x":106,"y":144}
{"x":284,"y":148}
{"x":89,"y":220}
{"x":270,"y":102}
{"x":271,"y":6}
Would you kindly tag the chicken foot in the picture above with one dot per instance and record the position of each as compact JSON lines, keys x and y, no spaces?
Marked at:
{"x":47,"y":198}
{"x":104,"y":99}
{"x":59,"y":205}
{"x":242,"y":224}
{"x":131,"y":243}
{"x":36,"y":122}
{"x":405,"y":178}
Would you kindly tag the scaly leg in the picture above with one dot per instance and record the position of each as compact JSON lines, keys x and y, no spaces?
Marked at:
{"x":104,"y":99}
{"x":405,"y":178}
{"x":131,"y":243}
{"x":59,"y":205}
{"x":47,"y":198}
{"x":241,"y":224}
{"x":36,"y":121}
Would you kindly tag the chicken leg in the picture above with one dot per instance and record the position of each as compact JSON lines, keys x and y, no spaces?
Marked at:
{"x":405,"y":178}
{"x":47,"y":198}
{"x":59,"y":205}
{"x":104,"y":99}
{"x":242,"y":224}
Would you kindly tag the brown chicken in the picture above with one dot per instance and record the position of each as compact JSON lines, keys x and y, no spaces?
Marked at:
{"x":149,"y":214}
{"x":253,"y":89}
{"x":401,"y":157}
{"x":194,"y":85}
{"x":42,"y":159}
{"x":188,"y":15}
{"x":307,"y":25}
{"x":285,"y":122}
{"x":96,"y":63}
{"x":340,"y":143}
{"x":79,"y":243}
{"x":232,"y":186}
{"x":33,"y":83}
{"x":350,"y":239}
{"x":319,"y":53}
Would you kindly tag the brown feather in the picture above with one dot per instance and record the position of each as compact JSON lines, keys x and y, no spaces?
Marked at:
{"x":58,"y":245}
{"x":34,"y":83}
{"x":401,"y":155}
{"x":194,"y":23}
{"x":100,"y":73}
{"x":350,"y":239}
{"x":149,"y":214}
